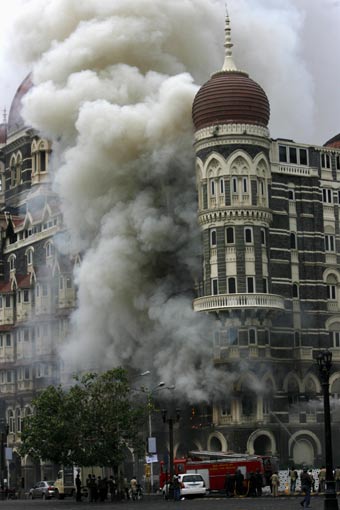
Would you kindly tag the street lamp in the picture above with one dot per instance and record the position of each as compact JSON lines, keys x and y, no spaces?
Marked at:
{"x":324,"y":361}
{"x":170,"y":421}
{"x":159,"y":386}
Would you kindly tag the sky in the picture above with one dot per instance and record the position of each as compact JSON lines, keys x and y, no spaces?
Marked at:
{"x":294,"y":59}
{"x":11,"y":71}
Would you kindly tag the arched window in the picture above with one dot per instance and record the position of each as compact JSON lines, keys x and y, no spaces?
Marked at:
{"x":214,"y":286}
{"x":295,"y":290}
{"x":263,"y":237}
{"x":212,"y":188}
{"x":29,"y":256}
{"x":234,"y":185}
{"x":231,"y":285}
{"x":252,"y":336}
{"x":222,"y":186}
{"x":248,"y":235}
{"x":11,"y":421}
{"x":18,"y":419}
{"x":332,"y":283}
{"x":230,"y":238}
{"x":245,"y":184}
{"x":49,"y":249}
{"x":28,"y":411}
{"x":213,"y":239}
{"x":11,"y":261}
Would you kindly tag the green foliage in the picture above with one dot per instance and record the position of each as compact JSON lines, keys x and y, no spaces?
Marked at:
{"x":89,"y":424}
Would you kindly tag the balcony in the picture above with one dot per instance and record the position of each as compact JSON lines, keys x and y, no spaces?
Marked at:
{"x":241,"y":301}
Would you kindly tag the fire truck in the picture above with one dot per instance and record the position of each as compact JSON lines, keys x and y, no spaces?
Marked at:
{"x":214,"y":466}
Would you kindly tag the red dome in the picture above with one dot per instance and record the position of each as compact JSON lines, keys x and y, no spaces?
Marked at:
{"x":230,"y":97}
{"x":334,"y":142}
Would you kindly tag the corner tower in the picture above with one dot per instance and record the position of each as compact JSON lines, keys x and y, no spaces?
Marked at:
{"x":231,"y":114}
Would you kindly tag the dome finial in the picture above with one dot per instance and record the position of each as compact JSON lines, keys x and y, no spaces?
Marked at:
{"x":229,"y":64}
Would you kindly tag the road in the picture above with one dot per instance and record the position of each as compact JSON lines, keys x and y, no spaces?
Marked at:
{"x":157,"y":503}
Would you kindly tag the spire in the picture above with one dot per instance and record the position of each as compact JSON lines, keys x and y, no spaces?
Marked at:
{"x":229,"y":64}
{"x":4,"y":116}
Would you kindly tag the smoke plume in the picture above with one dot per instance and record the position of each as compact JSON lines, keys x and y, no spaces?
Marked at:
{"x":114,"y":84}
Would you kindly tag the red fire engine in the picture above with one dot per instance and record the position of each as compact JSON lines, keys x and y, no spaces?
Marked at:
{"x":214,"y":466}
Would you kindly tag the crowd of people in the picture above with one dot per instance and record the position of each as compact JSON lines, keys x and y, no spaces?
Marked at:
{"x":309,"y":481}
{"x":102,"y":489}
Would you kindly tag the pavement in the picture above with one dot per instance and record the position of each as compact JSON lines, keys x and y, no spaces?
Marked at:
{"x":156,"y":502}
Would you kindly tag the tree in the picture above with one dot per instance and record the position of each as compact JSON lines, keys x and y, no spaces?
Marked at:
{"x":89,"y":424}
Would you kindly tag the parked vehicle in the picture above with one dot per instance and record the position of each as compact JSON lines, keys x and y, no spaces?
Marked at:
{"x":191,"y":485}
{"x":65,"y":482}
{"x":214,"y":466}
{"x":43,"y":489}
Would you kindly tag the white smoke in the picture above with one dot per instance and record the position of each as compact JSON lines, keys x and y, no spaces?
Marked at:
{"x":114,"y":84}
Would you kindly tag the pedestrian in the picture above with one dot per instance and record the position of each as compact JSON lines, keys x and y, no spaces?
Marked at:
{"x":133,"y":488}
{"x":275,"y":484}
{"x":322,"y":479}
{"x":310,"y":472}
{"x":252,"y":485}
{"x":293,"y":477}
{"x":229,"y":485}
{"x":89,"y":488}
{"x":126,"y":488}
{"x":102,"y":489}
{"x":176,"y":488}
{"x":239,"y":479}
{"x":78,"y":488}
{"x":112,"y":487}
{"x":259,"y":483}
{"x":337,"y":478}
{"x":94,"y":488}
{"x":306,"y":485}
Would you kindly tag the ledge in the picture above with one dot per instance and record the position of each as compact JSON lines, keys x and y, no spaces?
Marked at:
{"x":230,"y":301}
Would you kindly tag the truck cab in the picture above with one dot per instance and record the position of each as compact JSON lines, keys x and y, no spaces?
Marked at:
{"x":65,"y":483}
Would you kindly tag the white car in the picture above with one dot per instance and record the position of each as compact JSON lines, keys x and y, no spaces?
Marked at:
{"x":191,"y":485}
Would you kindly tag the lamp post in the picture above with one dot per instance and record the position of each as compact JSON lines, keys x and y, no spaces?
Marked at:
{"x":160,"y":385}
{"x":324,"y":361}
{"x":170,"y":421}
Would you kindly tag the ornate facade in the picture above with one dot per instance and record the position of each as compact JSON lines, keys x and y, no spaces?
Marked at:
{"x":36,"y":283}
{"x":269,"y":213}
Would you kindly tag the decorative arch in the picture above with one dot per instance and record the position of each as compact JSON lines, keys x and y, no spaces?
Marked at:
{"x":290,"y":376}
{"x":238,"y":158}
{"x":258,"y":433}
{"x":261,"y":165}
{"x":213,"y":165}
{"x":11,"y":261}
{"x":29,"y":253}
{"x":268,"y":376}
{"x":301,"y":434}
{"x":248,"y":377}
{"x":332,"y":324}
{"x":49,"y":248}
{"x":329,"y":229}
{"x":330,"y":271}
{"x":333,"y":379}
{"x":221,"y":438}
{"x":182,"y":451}
{"x":316,"y":383}
{"x":47,"y":213}
{"x":199,"y":171}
